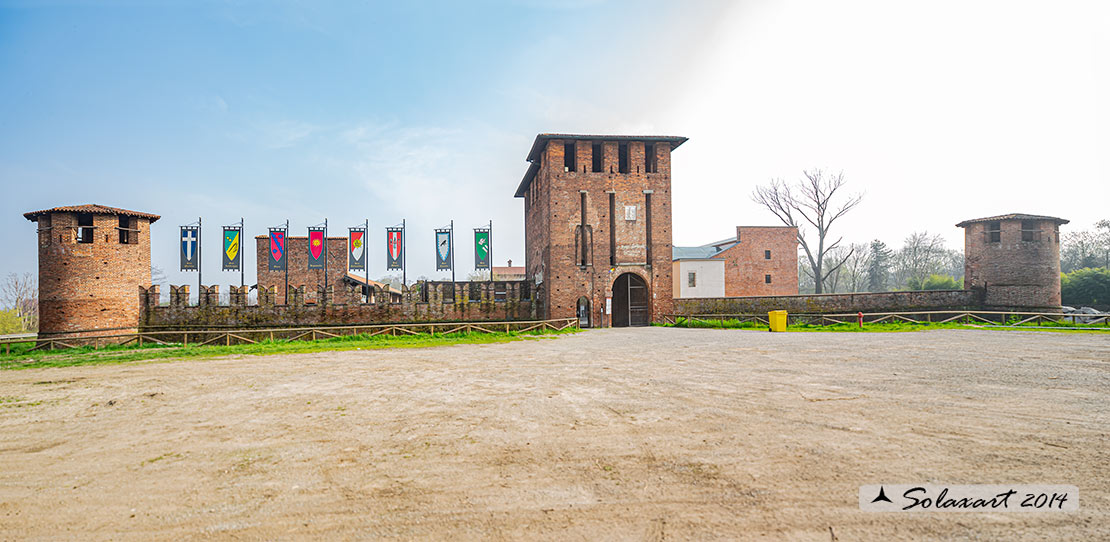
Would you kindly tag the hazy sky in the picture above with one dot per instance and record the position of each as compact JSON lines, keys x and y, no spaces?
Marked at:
{"x":937,"y":112}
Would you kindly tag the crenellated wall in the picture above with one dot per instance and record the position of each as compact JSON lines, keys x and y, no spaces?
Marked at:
{"x":424,"y":302}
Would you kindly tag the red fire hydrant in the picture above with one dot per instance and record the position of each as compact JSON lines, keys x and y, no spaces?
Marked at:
{"x":860,"y":316}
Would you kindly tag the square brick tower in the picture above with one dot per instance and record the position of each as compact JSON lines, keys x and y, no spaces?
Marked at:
{"x":92,"y":261}
{"x":597,"y":219}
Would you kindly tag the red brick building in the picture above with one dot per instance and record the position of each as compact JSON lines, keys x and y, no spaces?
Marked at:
{"x":597,"y":219}
{"x":92,"y":261}
{"x":299,"y":273}
{"x":759,"y":261}
{"x":1014,"y":259}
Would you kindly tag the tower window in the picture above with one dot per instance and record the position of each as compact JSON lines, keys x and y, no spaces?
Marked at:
{"x":622,"y":158}
{"x":692,"y":279}
{"x":569,"y":160}
{"x":767,"y":279}
{"x":84,"y":228}
{"x":596,"y":157}
{"x":651,"y":165}
{"x":994,"y":232}
{"x":125,"y":230}
{"x":1029,"y":231}
{"x":766,"y":254}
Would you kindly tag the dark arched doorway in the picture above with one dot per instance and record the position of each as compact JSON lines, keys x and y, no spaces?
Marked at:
{"x":583,"y":312}
{"x":630,"y":301}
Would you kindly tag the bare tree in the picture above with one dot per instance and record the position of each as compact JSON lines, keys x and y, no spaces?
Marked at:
{"x":810,"y":201}
{"x":20,"y":293}
{"x":920,"y":256}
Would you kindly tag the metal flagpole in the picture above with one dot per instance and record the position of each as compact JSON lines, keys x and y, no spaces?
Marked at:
{"x":242,"y":274}
{"x":285,"y":256}
{"x":452,"y":246}
{"x":489,"y":249}
{"x":200,"y":267}
{"x":404,"y":253}
{"x":366,"y":257}
{"x":325,"y":261}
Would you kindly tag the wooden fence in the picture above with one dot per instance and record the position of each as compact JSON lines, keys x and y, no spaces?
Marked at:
{"x":224,"y":337}
{"x":916,"y":317}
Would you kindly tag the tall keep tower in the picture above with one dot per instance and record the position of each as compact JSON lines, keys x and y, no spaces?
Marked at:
{"x":1014,"y":259}
{"x":597,"y":219}
{"x":92,"y":260}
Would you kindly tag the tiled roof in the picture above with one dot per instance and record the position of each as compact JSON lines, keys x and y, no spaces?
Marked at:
{"x":1012,"y":216}
{"x":509,"y":270}
{"x":362,"y":280}
{"x":91,"y":208}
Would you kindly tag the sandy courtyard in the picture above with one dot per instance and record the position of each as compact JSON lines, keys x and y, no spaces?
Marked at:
{"x":634,"y":434}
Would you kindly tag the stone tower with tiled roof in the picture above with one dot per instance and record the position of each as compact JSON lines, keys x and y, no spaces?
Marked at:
{"x":92,"y":261}
{"x":1014,"y":259}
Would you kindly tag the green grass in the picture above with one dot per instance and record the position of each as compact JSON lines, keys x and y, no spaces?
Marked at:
{"x":21,"y":356}
{"x":883,"y":327}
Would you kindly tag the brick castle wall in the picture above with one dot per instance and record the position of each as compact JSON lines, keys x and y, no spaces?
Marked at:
{"x":299,"y":273}
{"x":835,"y":303}
{"x":472,"y":302}
{"x":746,"y":264}
{"x":90,"y":285}
{"x":553,"y":220}
{"x":1013,"y":272}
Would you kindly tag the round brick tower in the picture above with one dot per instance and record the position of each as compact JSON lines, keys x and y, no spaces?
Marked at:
{"x":92,"y":260}
{"x":1014,"y":259}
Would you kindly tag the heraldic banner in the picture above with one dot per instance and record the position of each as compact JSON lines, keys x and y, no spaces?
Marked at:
{"x":356,"y":249}
{"x":395,"y":248}
{"x":317,"y":248}
{"x":277,"y":258}
{"x":233,"y":257}
{"x":481,"y":248}
{"x":443,"y":249}
{"x":190,"y":248}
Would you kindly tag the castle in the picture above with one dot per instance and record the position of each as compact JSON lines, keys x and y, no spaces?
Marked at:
{"x":597,"y":219}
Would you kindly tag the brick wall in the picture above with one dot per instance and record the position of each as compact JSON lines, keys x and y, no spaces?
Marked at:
{"x":90,"y":285}
{"x":747,"y":264}
{"x":1014,"y":273}
{"x":553,"y":223}
{"x":299,"y":273}
{"x":835,"y":303}
{"x":498,"y":301}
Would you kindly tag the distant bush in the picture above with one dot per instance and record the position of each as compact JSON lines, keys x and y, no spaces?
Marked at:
{"x":1088,"y":286}
{"x":9,"y":322}
{"x":935,"y":282}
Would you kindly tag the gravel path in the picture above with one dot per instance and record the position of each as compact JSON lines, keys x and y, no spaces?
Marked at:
{"x":633,"y":434}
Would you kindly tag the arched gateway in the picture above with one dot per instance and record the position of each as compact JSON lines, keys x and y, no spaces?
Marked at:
{"x":630,"y":301}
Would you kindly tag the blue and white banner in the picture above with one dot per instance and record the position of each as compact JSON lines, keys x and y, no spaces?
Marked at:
{"x":190,"y":248}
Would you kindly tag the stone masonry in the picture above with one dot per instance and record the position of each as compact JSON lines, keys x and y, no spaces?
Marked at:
{"x":1015,"y":258}
{"x":587,"y":223}
{"x":92,"y":261}
{"x":764,"y":261}
{"x":299,"y":273}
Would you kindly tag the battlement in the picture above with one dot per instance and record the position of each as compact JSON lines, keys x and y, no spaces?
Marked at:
{"x":348,"y":304}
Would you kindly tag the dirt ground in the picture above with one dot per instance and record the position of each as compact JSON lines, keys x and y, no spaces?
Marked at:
{"x":633,"y":434}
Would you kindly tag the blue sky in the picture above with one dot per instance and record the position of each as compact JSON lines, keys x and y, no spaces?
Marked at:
{"x":425,"y":111}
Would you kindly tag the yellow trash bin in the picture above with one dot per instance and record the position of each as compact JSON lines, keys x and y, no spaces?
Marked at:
{"x":777,"y":320}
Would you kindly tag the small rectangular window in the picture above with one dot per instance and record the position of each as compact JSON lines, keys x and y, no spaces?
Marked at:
{"x":766,"y":254}
{"x":650,"y":163}
{"x":84,"y":228}
{"x":597,"y":155}
{"x":630,"y":213}
{"x":767,"y":279}
{"x":692,"y":279}
{"x":622,"y":158}
{"x":569,"y":163}
{"x":124,"y":230}
{"x":1029,"y":231}
{"x":994,"y":232}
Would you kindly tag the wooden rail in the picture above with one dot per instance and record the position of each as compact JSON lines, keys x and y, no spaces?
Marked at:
{"x":182,"y":338}
{"x":913,"y":317}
